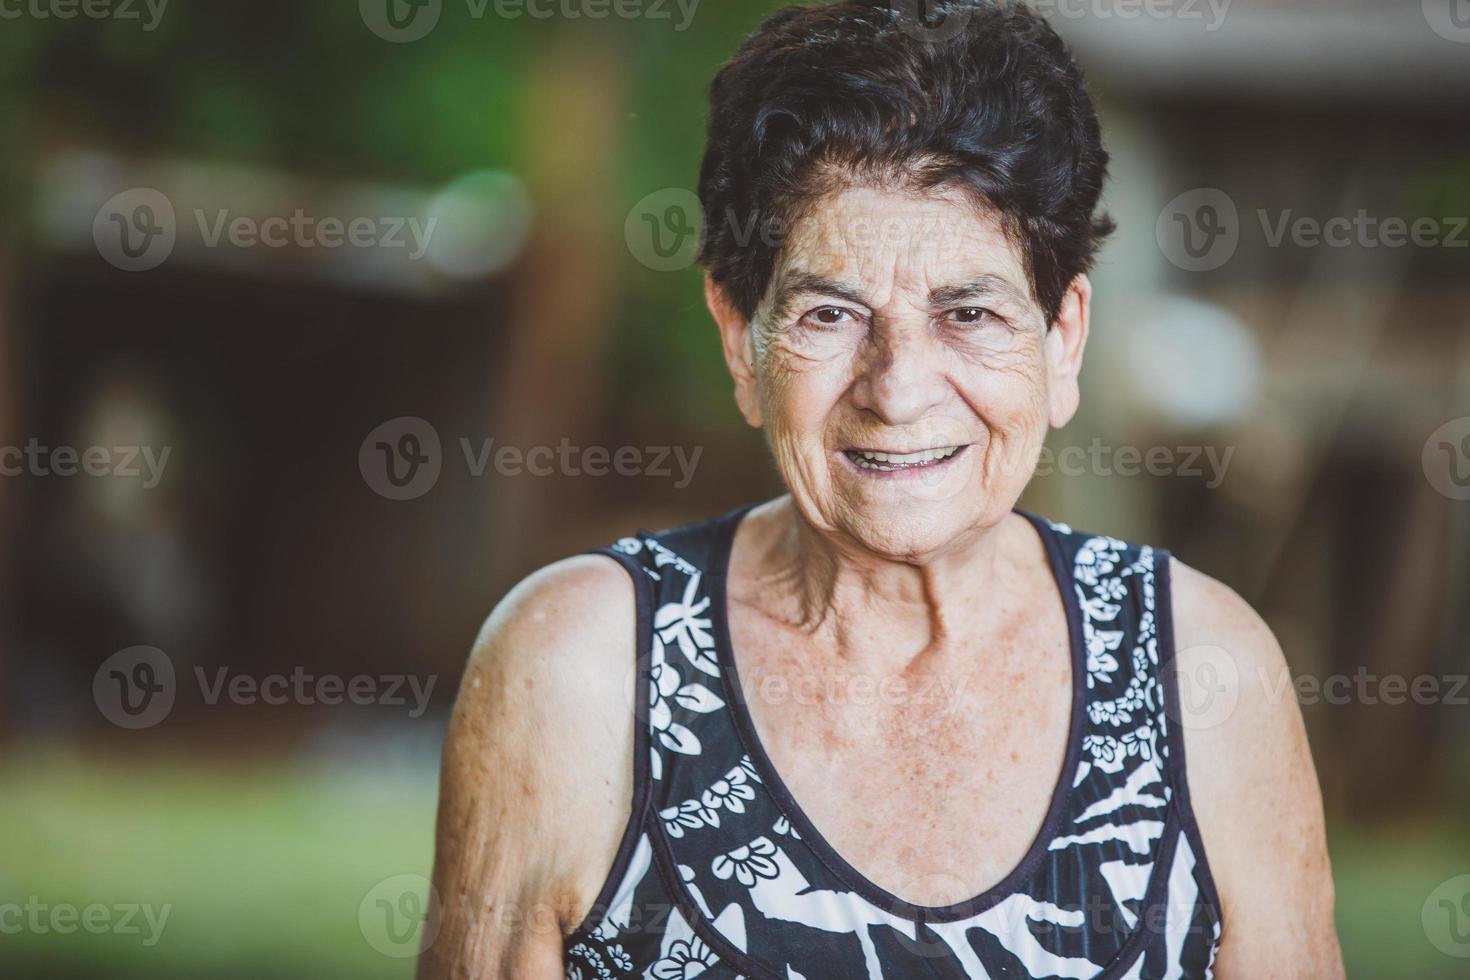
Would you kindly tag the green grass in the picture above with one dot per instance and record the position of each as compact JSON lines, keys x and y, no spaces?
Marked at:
{"x":1383,"y":879}
{"x":264,"y":867}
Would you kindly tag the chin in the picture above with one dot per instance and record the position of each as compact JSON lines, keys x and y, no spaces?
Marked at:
{"x":909,"y":530}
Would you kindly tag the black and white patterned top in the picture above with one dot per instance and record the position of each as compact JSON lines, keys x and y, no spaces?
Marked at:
{"x":721,"y":875}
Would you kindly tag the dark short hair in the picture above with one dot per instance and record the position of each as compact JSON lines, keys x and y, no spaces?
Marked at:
{"x":989,"y":101}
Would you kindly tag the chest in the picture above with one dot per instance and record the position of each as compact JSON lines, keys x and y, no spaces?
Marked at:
{"x":931,"y":782}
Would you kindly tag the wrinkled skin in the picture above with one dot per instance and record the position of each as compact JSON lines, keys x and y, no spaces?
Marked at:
{"x":901,"y":321}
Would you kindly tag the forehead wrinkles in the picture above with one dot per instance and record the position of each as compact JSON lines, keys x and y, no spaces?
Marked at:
{"x":889,"y":243}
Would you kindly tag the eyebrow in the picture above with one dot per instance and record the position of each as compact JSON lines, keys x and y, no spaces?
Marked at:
{"x":981,"y":287}
{"x":801,"y":283}
{"x":796,"y":284}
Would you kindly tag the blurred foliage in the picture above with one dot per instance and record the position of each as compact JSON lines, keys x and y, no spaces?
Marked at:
{"x":310,"y":90}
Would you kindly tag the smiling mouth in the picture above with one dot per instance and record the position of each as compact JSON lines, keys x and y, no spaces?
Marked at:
{"x":877,"y":461}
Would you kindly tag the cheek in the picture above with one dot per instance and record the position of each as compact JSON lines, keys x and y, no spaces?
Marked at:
{"x":799,"y":392}
{"x":1008,"y":388}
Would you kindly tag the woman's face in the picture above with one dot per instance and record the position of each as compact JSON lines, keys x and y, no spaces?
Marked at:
{"x":901,"y":368}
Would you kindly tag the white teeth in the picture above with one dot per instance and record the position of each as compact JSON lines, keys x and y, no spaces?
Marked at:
{"x":906,"y":459}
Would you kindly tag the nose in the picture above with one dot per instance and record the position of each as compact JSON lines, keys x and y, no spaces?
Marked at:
{"x":902,"y":373}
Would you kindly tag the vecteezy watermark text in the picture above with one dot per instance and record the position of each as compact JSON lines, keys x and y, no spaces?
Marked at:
{"x":402,"y":21}
{"x":301,"y":687}
{"x":1200,"y":230}
{"x":1098,"y":459}
{"x":569,"y":460}
{"x":63,"y":918}
{"x":122,"y":10}
{"x":1212,"y":681}
{"x":1211,"y":12}
{"x":137,"y":688}
{"x":856,"y":687}
{"x":302,"y":230}
{"x":402,"y":459}
{"x":137,"y":229}
{"x":35,"y":459}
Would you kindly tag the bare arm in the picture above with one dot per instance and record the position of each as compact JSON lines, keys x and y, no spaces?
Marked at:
{"x":1254,"y":788}
{"x":537,"y":778}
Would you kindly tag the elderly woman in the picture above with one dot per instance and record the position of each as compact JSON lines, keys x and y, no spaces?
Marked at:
{"x":885,"y":725}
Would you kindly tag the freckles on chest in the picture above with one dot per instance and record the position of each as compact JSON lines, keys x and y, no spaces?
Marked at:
{"x":916,"y":761}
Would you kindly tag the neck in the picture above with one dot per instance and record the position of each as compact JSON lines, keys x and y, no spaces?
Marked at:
{"x":888,"y":614}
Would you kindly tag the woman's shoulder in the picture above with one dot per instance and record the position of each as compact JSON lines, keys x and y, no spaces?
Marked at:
{"x":1207,"y":614}
{"x":560,"y":634}
{"x":568,"y":597}
{"x":1253,"y":787}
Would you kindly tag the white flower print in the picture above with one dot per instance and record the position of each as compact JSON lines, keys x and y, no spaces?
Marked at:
{"x":1146,"y":558}
{"x":1100,"y":661}
{"x":689,"y":815}
{"x":1110,"y":753}
{"x":730,"y":792}
{"x":749,"y":768}
{"x":681,"y":623}
{"x":1105,"y":751}
{"x":1098,"y":608}
{"x":1097,"y":557}
{"x":593,"y":959}
{"x":748,"y":863}
{"x":1141,"y":742}
{"x":684,"y":960}
{"x":667,"y":686}
{"x":620,"y":957}
{"x":783,"y":826}
{"x":1114,"y":712}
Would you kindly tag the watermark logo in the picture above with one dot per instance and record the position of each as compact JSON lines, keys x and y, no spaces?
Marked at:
{"x":136,"y":229}
{"x":1446,"y":459}
{"x":1446,"y":917}
{"x":401,"y":458}
{"x":398,"y":916}
{"x":1199,"y":230}
{"x":663,"y":229}
{"x":1208,"y":681}
{"x":135,"y":688}
{"x":931,"y":20}
{"x":400,"y":21}
{"x":1450,"y":19}
{"x":1211,"y":13}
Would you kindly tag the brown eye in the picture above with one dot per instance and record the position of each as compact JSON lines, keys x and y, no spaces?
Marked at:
{"x":828,"y":316}
{"x":969,"y":314}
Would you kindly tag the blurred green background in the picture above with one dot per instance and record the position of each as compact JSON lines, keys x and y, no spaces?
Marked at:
{"x":540,"y":137}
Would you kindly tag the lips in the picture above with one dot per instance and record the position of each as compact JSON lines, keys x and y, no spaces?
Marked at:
{"x":886,"y":461}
